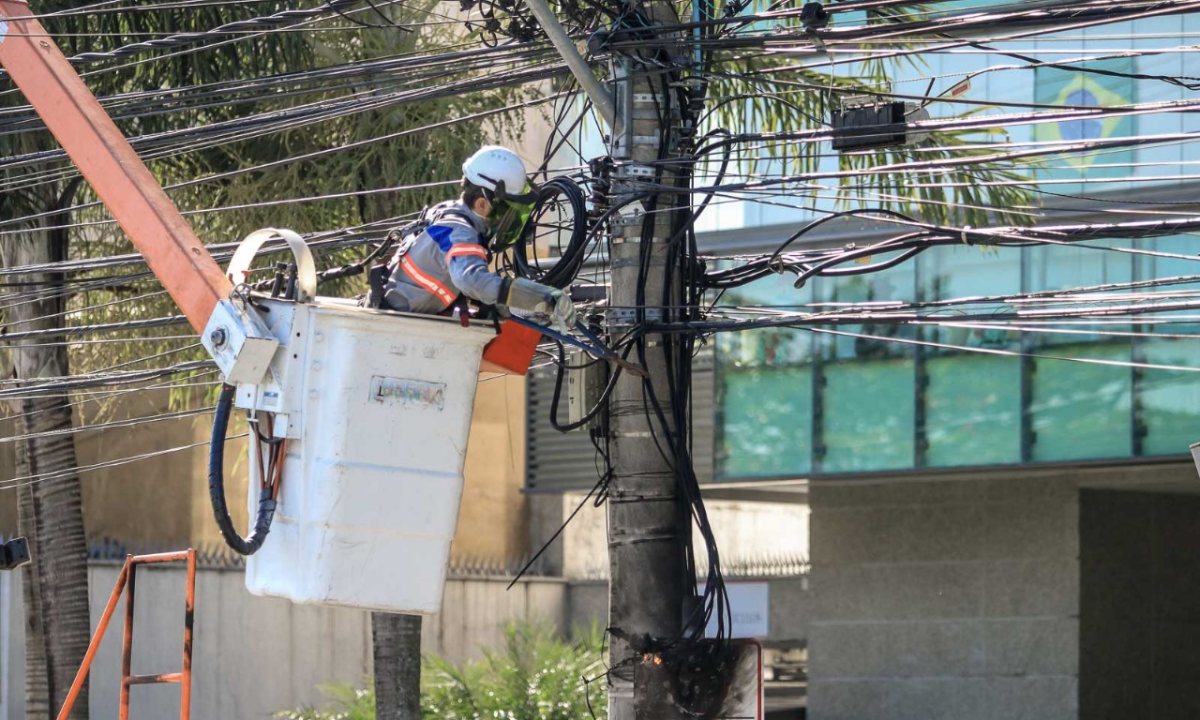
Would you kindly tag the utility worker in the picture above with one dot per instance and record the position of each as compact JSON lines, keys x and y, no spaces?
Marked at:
{"x":433,"y":269}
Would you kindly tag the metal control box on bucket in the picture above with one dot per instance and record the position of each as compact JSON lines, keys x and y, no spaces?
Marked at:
{"x":380,"y":406}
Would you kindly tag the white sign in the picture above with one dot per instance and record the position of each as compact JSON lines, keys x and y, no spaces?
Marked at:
{"x":749,"y":603}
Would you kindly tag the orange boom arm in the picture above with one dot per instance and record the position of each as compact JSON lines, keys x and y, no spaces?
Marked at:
{"x":110,"y":165}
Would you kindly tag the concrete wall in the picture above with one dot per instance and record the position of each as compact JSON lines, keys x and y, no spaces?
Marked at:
{"x":1057,"y":593}
{"x":1140,"y":606}
{"x":587,"y":603}
{"x":158,"y":501}
{"x":8,"y":498}
{"x":161,"y":502}
{"x":254,"y":656}
{"x":12,"y":644}
{"x":493,"y":517}
{"x":944,"y":600}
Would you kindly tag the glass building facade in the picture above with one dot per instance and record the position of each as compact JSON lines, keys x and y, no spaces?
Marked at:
{"x":884,"y":397}
{"x":827,"y":401}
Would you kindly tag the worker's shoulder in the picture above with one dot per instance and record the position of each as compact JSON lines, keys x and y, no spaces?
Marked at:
{"x":451,"y":223}
{"x":447,"y":235}
{"x":454,"y":212}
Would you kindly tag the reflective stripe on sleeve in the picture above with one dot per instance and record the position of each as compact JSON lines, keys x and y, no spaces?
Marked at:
{"x":467,"y":249}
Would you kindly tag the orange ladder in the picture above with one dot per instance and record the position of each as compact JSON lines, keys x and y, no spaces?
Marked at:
{"x":127,"y":579}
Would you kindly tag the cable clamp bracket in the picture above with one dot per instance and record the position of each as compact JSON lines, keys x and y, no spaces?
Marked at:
{"x":643,"y":434}
{"x":628,"y":317}
{"x":634,"y":170}
{"x":631,"y":215}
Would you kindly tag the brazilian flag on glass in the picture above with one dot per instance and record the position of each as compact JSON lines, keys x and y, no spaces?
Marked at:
{"x":1055,"y":86}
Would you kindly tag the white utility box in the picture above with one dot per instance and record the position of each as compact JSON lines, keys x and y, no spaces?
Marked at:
{"x":378,"y":409}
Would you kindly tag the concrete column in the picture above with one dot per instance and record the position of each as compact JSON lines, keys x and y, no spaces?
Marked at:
{"x":945,"y":600}
{"x":546,"y":515}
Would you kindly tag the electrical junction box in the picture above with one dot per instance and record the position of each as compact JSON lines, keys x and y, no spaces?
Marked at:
{"x":239,"y":342}
{"x":378,"y":410}
{"x":868,"y":122}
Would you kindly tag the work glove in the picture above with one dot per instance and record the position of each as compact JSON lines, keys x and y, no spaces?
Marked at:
{"x":551,"y":302}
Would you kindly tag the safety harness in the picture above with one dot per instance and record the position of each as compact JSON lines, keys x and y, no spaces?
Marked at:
{"x":405,"y":237}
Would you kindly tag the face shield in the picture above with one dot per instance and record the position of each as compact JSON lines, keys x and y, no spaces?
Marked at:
{"x":510,"y":215}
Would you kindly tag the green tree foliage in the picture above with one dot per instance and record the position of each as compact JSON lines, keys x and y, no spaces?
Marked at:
{"x":232,"y":188}
{"x":768,"y":97}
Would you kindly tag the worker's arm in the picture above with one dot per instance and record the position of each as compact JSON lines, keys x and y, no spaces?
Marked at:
{"x":469,"y":271}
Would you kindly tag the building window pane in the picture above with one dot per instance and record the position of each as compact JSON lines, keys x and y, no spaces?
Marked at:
{"x":868,"y":378}
{"x":973,"y":410}
{"x":764,"y":390}
{"x":1058,"y":267}
{"x":1185,"y":264}
{"x":1082,"y":410}
{"x":1078,"y":410}
{"x":972,"y":399}
{"x":1170,"y":399}
{"x":1063,"y":86}
{"x":766,"y":423}
{"x":868,"y":420}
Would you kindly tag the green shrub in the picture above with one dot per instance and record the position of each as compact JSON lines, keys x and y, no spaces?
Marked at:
{"x":533,"y":675}
{"x":346,"y":703}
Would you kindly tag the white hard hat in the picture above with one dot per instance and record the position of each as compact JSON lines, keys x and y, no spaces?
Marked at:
{"x":492,"y":165}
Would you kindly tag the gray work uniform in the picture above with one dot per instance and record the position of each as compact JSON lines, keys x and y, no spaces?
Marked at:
{"x":448,"y":258}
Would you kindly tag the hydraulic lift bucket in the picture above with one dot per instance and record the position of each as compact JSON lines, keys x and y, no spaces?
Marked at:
{"x":375,"y":407}
{"x":378,"y":408}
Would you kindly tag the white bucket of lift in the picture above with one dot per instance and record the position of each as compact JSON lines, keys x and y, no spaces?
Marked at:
{"x":380,"y":408}
{"x":370,"y":491}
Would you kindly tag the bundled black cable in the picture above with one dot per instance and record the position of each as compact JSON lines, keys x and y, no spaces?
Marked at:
{"x":572,"y":256}
{"x":513,"y":20}
{"x":216,"y":485}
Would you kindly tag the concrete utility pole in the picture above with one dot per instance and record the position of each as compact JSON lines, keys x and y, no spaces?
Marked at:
{"x":648,"y":523}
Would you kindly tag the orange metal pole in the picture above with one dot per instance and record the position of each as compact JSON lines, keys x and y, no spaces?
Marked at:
{"x":94,"y":645}
{"x":165,"y":557}
{"x":189,"y":613}
{"x":127,"y":643}
{"x":166,"y":678}
{"x":110,"y":165}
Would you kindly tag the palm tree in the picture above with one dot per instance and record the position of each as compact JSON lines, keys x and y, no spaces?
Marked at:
{"x":50,"y":510}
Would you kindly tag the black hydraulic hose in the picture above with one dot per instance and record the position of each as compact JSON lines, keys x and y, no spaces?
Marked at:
{"x":216,"y":485}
